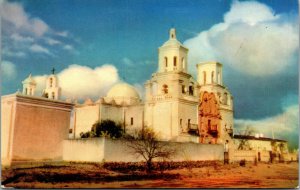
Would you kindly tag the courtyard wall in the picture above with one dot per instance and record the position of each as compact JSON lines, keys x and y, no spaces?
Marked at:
{"x":34,"y":128}
{"x":110,"y":150}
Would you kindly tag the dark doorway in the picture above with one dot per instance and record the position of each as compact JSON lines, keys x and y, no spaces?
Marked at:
{"x":226,"y":158}
{"x":271,"y":156}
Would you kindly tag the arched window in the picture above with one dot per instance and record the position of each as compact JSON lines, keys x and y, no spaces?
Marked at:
{"x":166,"y":61}
{"x":204,"y":77}
{"x":175,"y":61}
{"x":212,"y":77}
{"x":30,"y":91}
{"x":165,"y":89}
{"x":183,"y":89}
{"x":225,"y":98}
{"x":191,"y":90}
{"x":53,"y":95}
{"x":26,"y":90}
{"x":51,"y":82}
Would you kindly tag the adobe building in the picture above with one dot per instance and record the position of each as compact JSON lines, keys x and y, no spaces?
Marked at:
{"x":194,"y":114}
{"x":33,"y":128}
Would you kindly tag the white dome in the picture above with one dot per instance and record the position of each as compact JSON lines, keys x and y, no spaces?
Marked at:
{"x":122,"y":94}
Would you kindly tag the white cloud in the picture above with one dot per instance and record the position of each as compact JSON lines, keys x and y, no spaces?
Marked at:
{"x":63,"y":33}
{"x":68,"y":47}
{"x":285,"y":125}
{"x":10,"y":53}
{"x":17,"y":37}
{"x":52,"y":42}
{"x":23,"y":32}
{"x":39,"y":27}
{"x":250,"y":12}
{"x":127,"y":61}
{"x":81,"y":81}
{"x":14,"y":14}
{"x":8,"y":70}
{"x":39,"y":49}
{"x":252,"y":40}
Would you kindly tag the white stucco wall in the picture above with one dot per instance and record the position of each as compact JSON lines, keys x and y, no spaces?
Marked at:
{"x":84,"y":150}
{"x":109,"y":150}
{"x":115,"y":113}
{"x":85,"y":117}
{"x":187,"y":111}
{"x":136,"y":113}
{"x":161,"y":120}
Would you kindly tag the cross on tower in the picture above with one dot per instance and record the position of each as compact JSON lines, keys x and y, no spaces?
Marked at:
{"x":53,"y":70}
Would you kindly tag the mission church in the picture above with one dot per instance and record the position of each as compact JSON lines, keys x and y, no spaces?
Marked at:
{"x":176,"y":106}
{"x":175,"y":103}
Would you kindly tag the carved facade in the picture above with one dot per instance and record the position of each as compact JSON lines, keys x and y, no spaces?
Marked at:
{"x":209,"y":118}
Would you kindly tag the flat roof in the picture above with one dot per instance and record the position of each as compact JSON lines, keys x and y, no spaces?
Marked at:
{"x":257,"y":138}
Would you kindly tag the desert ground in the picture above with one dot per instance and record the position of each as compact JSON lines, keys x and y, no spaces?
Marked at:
{"x":95,"y":175}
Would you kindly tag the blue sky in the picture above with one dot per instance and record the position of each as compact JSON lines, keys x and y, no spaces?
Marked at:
{"x":106,"y":41}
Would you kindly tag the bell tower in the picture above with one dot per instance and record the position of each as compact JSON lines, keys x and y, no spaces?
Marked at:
{"x":52,"y":90}
{"x":29,"y":86}
{"x":215,"y":119}
{"x":171,"y":93}
{"x":172,"y":55}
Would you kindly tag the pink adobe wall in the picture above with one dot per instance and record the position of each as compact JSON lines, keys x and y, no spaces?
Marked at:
{"x":40,"y":127}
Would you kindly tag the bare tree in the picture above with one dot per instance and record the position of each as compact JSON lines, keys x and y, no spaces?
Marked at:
{"x":244,"y":142}
{"x":147,"y":145}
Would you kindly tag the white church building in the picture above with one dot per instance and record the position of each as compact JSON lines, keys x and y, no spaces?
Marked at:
{"x":172,"y":101}
{"x":193,"y":114}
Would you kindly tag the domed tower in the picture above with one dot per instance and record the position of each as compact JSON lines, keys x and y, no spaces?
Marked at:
{"x":172,"y":94}
{"x":172,"y":55}
{"x":52,"y":90}
{"x":29,"y":86}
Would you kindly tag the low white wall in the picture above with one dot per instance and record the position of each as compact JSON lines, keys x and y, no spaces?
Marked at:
{"x":118,"y":151}
{"x":195,"y":151}
{"x":88,"y":150}
{"x":109,"y":150}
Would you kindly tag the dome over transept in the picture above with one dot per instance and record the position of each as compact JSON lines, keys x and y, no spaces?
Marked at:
{"x":122,"y":94}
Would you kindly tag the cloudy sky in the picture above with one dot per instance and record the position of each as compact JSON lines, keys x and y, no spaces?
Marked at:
{"x":94,"y":44}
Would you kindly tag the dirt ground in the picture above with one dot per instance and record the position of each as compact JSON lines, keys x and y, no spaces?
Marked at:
{"x":263,"y":175}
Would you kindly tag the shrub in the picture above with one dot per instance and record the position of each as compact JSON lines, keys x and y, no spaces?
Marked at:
{"x":88,"y":134}
{"x":243,"y":163}
{"x":107,"y":128}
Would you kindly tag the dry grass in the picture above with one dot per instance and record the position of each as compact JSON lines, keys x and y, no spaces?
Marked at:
{"x":216,"y":175}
